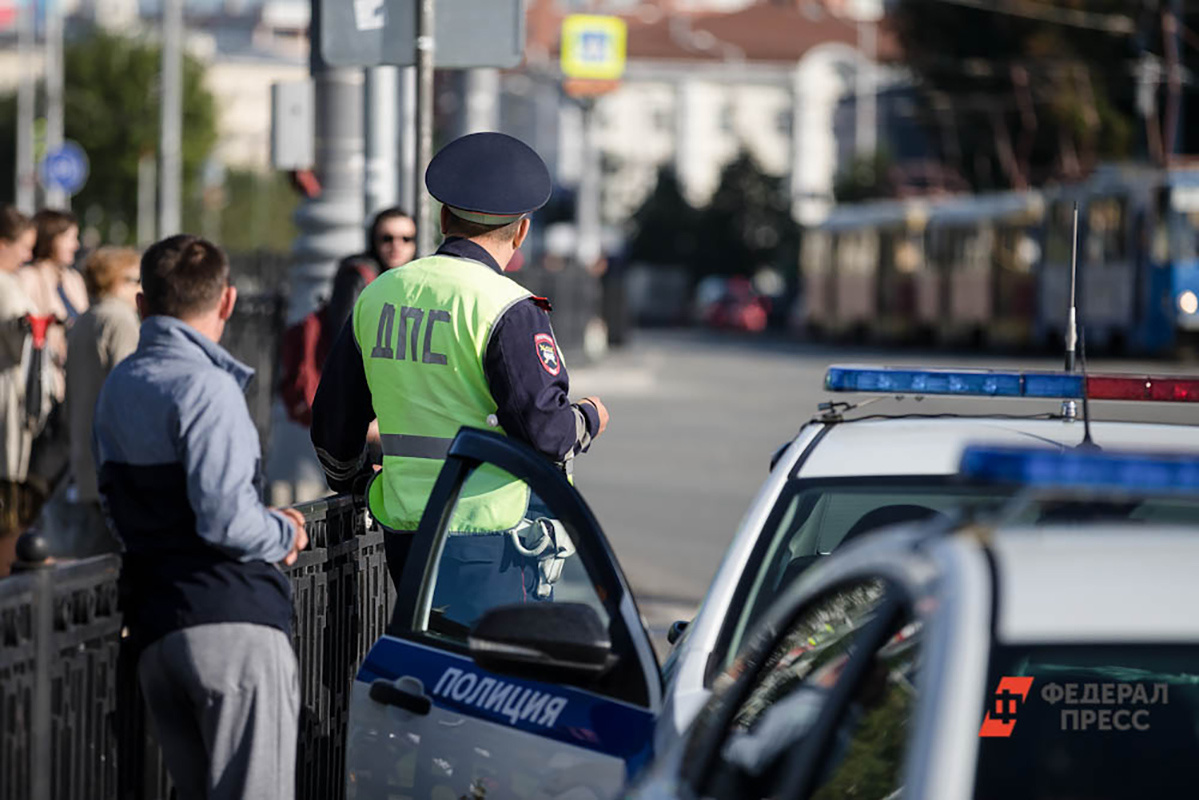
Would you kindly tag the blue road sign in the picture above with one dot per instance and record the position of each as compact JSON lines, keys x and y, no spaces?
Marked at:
{"x":65,"y":168}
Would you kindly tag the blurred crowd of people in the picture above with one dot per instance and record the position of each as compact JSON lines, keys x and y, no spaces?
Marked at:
{"x":61,"y":332}
{"x":63,"y":329}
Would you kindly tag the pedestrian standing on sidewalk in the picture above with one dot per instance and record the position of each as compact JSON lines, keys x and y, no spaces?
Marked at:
{"x":16,"y":246}
{"x":101,"y":338}
{"x":203,"y":598}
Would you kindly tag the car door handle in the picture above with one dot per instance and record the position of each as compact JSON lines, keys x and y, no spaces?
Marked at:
{"x":407,"y":693}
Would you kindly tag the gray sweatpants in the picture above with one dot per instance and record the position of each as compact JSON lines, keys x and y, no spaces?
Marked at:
{"x":224,"y":702}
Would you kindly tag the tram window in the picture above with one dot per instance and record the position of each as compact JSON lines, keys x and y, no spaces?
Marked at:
{"x":1016,"y":250}
{"x":1186,"y":236}
{"x":817,"y":251}
{"x":1060,"y":232}
{"x":857,"y":251}
{"x":979,"y":246}
{"x":950,"y":247}
{"x":1105,"y":231}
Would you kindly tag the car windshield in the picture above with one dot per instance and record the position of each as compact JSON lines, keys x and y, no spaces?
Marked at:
{"x":813,"y":517}
{"x":1097,"y":723}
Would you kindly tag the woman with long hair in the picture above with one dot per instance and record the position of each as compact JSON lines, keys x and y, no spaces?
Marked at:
{"x":54,"y":285}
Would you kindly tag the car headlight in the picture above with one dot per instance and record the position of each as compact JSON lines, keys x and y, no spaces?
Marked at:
{"x":1188,"y":302}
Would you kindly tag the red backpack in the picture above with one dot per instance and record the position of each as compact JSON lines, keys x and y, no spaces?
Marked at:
{"x":304,"y":348}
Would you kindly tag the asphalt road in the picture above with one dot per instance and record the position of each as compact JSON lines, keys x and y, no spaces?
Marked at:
{"x":695,"y":418}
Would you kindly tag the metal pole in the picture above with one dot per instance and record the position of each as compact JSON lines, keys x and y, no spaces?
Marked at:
{"x":25,"y":172}
{"x":588,"y":209}
{"x":425,"y":225}
{"x":146,"y":206}
{"x":381,"y":121}
{"x":407,"y":144}
{"x":1072,"y":314}
{"x":482,"y":101}
{"x":54,"y":197}
{"x":171,"y":130}
{"x":330,"y":228}
{"x":866,"y":116}
{"x":330,"y":225}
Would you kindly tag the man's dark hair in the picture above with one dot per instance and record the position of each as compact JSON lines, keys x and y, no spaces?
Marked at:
{"x":183,"y":276}
{"x":50,"y":223}
{"x":457,"y":226}
{"x":12,"y":223}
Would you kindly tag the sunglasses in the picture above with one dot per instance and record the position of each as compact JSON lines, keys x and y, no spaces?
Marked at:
{"x":387,"y":238}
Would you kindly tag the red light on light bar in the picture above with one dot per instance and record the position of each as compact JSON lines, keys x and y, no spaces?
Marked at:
{"x":1143,"y":387}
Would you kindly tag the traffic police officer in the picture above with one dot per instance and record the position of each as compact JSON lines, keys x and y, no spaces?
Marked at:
{"x":449,"y":341}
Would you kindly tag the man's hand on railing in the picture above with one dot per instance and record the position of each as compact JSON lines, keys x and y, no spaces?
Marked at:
{"x":301,"y":535}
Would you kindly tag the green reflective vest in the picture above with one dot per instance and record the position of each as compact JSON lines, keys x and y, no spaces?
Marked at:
{"x":423,"y":330}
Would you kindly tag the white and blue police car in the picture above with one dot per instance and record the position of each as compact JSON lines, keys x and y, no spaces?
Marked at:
{"x":560,"y":694}
{"x":1048,"y":651}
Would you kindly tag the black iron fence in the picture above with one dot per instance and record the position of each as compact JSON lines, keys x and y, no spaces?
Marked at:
{"x":72,"y":724}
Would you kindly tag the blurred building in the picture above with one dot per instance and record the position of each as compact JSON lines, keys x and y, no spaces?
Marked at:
{"x":246,"y":52}
{"x":792,"y":82}
{"x":706,"y":80}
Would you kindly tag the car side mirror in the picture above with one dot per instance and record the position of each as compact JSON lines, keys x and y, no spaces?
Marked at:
{"x":550,"y":642}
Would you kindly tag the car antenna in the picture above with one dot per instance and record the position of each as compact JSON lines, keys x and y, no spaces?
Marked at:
{"x":1069,"y":407}
{"x":1072,"y":318}
{"x":1087,"y":442}
{"x":1076,"y":342}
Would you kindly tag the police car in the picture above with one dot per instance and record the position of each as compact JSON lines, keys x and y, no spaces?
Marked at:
{"x":563,"y":694}
{"x":1051,"y":652}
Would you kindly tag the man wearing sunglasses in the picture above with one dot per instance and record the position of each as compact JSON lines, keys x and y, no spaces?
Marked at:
{"x":450,"y":341}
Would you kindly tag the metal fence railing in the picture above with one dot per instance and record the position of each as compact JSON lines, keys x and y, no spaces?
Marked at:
{"x":74,"y":727}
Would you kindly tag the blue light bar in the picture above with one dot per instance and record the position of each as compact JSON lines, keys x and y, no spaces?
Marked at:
{"x":961,"y":382}
{"x":1129,"y":472}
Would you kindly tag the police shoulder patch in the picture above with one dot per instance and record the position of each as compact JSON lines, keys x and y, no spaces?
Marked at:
{"x":547,"y":353}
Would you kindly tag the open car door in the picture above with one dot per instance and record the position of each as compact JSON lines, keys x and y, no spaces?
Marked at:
{"x":515,"y":664}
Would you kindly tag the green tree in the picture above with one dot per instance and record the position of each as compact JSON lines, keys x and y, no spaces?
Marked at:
{"x":111,"y":101}
{"x":866,"y":178}
{"x":664,"y":227}
{"x":747,"y":224}
{"x":1014,"y":101}
{"x":111,"y":109}
{"x":258,"y":212}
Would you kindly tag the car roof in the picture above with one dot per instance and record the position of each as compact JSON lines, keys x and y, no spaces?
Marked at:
{"x":1098,"y":583}
{"x":933,"y":446}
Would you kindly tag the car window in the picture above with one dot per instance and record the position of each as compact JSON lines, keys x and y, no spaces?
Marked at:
{"x":500,"y":545}
{"x":868,"y":747}
{"x":812,"y":518}
{"x":788,"y":690}
{"x":1109,"y":722}
{"x":1152,"y":511}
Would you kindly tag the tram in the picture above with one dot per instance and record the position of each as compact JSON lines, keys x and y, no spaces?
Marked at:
{"x":993,"y":270}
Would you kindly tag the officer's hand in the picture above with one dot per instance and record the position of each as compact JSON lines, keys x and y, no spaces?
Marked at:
{"x":301,"y":535}
{"x":603,"y":413}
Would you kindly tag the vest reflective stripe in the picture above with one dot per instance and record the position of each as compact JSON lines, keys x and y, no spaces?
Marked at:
{"x":423,"y":332}
{"x":407,"y":445}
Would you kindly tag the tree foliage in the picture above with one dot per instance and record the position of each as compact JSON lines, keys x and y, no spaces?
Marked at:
{"x":111,"y":101}
{"x":1013,"y":101}
{"x":747,"y":225}
{"x":664,"y":226}
{"x":111,"y":108}
{"x":866,"y":178}
{"x":258,"y":212}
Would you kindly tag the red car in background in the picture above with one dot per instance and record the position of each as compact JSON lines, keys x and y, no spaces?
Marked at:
{"x":731,"y":303}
